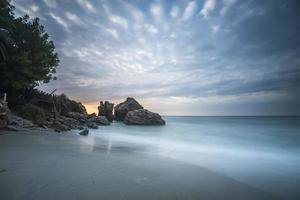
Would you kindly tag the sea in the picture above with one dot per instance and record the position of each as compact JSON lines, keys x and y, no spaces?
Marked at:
{"x":263,"y":152}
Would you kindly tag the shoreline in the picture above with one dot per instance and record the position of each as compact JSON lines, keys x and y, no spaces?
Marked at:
{"x":46,"y":165}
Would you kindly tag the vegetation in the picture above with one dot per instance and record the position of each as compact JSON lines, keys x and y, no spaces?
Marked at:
{"x":28,"y":56}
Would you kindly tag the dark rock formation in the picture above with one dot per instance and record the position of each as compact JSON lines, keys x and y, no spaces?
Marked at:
{"x":20,"y":122}
{"x":84,"y":132}
{"x":123,"y":108}
{"x":82,"y":118}
{"x":58,"y":126}
{"x":106,"y":109}
{"x":92,"y":115}
{"x":92,"y":125}
{"x":143,"y":117}
{"x":99,"y":120}
{"x":64,"y":105}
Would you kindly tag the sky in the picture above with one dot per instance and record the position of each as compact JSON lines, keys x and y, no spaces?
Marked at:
{"x":206,"y":57}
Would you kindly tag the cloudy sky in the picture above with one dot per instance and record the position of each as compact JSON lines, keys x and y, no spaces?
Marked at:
{"x":206,"y":57}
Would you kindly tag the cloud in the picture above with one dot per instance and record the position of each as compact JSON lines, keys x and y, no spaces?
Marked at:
{"x":74,"y":18}
{"x":87,"y":5}
{"x":113,"y":33}
{"x":156,"y":10}
{"x":50,"y":3}
{"x":60,"y":21}
{"x":189,"y":10}
{"x":148,"y":52}
{"x":209,"y":5}
{"x":174,"y":11}
{"x":151,"y":28}
{"x":227,"y":4}
{"x":215,"y":28}
{"x":34,"y":8}
{"x":119,"y":21}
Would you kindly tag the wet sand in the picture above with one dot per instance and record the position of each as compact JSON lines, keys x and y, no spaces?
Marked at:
{"x":47,"y":165}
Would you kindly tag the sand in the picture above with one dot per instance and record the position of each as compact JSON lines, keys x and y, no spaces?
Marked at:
{"x":49,"y":165}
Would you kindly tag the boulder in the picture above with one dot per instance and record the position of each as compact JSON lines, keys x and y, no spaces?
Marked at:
{"x":91,"y":115}
{"x":123,"y":108}
{"x":85,"y":131}
{"x":65,"y":105}
{"x":99,"y":120}
{"x":58,"y":126}
{"x":106,"y":109}
{"x":20,"y":122}
{"x":92,"y":125}
{"x":143,"y":117}
{"x":82,"y":118}
{"x":69,"y":122}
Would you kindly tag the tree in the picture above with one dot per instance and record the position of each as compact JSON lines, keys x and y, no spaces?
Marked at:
{"x":32,"y":56}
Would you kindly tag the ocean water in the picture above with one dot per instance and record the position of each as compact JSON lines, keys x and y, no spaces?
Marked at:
{"x":263,"y":152}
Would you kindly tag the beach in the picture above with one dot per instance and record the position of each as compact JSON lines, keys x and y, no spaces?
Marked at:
{"x":47,"y":165}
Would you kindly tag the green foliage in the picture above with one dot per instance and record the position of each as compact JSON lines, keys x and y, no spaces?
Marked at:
{"x":33,"y":59}
{"x":32,"y":112}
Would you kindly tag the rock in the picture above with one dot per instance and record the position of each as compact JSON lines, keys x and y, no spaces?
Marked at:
{"x":143,"y":117}
{"x":92,"y":115}
{"x":106,"y":109}
{"x":65,"y":105}
{"x":92,"y":125}
{"x":82,"y":118}
{"x":13,"y":128}
{"x":58,"y":126}
{"x":123,"y":108}
{"x":70,"y":122}
{"x":84,"y":132}
{"x":20,"y":122}
{"x":99,"y":120}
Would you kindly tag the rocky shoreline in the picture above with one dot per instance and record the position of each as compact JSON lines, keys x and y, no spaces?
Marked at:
{"x":65,"y":115}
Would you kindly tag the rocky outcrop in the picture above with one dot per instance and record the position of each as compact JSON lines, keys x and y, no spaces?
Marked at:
{"x":123,"y":108}
{"x":65,"y":105}
{"x":58,"y":126}
{"x":106,"y":109}
{"x":99,"y":120}
{"x":84,"y":132}
{"x":20,"y":122}
{"x":82,"y":118}
{"x":92,"y":125}
{"x":143,"y":117}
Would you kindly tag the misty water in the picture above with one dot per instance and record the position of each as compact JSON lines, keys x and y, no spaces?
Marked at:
{"x":263,"y":152}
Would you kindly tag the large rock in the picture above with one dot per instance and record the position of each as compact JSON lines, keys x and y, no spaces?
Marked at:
{"x":123,"y":108}
{"x":64,"y":105}
{"x":82,"y":118}
{"x":58,"y":126}
{"x":143,"y":117}
{"x":106,"y":109}
{"x":84,"y":132}
{"x":92,"y":125}
{"x":20,"y":122}
{"x":71,"y":123}
{"x":99,"y":120}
